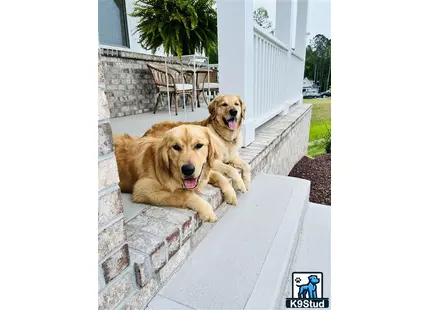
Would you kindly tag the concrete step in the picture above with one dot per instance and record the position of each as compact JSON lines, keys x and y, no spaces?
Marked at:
{"x":244,"y":262}
{"x":313,"y":251}
{"x":160,"y":239}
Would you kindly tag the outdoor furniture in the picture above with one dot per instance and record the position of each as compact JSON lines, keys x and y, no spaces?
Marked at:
{"x":195,"y":68}
{"x":208,"y":85}
{"x":172,"y":83}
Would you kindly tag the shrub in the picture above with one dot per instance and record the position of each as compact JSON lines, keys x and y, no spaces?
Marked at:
{"x":327,"y":141}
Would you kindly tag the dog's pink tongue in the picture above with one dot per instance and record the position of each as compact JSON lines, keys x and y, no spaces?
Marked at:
{"x":232,"y":124}
{"x":190,"y":183}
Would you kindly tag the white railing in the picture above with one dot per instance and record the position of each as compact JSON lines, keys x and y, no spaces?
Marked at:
{"x":258,"y":66}
{"x":270,"y":76}
{"x":295,"y":74}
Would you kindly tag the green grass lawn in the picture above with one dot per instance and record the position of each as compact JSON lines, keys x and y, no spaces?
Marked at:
{"x":320,"y":121}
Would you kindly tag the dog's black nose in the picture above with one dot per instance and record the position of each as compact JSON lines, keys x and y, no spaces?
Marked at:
{"x":188,"y":169}
{"x":233,"y":112}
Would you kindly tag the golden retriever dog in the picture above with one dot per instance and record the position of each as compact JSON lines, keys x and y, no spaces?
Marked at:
{"x":171,"y":170}
{"x":225,"y":121}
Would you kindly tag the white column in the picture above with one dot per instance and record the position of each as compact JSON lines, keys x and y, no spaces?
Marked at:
{"x":301,"y":29}
{"x":235,"y":56}
{"x":301,"y":39}
{"x":283,"y":21}
{"x":283,"y":31}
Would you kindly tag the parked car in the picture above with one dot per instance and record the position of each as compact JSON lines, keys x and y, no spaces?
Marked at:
{"x":325,"y":94}
{"x":310,"y":94}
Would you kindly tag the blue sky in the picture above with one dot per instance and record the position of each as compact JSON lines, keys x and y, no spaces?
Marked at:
{"x":318,"y":19}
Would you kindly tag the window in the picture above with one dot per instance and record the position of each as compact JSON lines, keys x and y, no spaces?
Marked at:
{"x":113,"y":23}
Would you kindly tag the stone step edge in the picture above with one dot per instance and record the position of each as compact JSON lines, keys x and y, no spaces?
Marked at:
{"x":147,"y":279}
{"x":155,"y":280}
{"x":269,"y":288}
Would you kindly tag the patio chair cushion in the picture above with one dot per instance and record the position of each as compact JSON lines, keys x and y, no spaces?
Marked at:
{"x":185,"y":87}
{"x":208,"y":85}
{"x":163,"y":89}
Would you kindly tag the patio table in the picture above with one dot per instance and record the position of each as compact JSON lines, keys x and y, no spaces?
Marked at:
{"x":194,"y":72}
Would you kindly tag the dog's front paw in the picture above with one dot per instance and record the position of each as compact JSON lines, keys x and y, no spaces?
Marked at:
{"x":208,"y":214}
{"x":239,"y":185}
{"x":230,"y":197}
{"x":247,"y":181}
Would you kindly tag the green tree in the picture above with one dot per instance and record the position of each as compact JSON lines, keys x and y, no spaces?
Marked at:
{"x":182,"y":27}
{"x":213,"y":56}
{"x":318,"y":61}
{"x":261,"y":17}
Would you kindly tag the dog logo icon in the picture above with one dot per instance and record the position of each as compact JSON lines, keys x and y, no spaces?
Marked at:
{"x":307,"y":291}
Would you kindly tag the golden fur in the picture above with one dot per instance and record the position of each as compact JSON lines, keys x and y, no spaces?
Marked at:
{"x":150,"y":168}
{"x":229,"y":141}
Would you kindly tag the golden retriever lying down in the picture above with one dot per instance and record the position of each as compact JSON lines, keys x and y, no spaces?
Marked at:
{"x":171,"y":170}
{"x":225,"y":121}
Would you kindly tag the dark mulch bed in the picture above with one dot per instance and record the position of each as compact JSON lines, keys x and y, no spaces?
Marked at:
{"x":318,"y":171}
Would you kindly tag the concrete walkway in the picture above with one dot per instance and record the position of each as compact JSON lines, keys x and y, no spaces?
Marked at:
{"x":138,"y":124}
{"x":314,"y":249}
{"x":243,"y":261}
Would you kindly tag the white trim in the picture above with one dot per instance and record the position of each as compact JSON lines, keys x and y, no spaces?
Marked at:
{"x":114,"y":47}
{"x":269,"y":37}
{"x":294,"y":53}
{"x":268,"y":115}
{"x":293,"y":101}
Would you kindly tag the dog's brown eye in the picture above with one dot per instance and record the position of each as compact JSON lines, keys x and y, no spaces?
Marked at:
{"x":199,"y":146}
{"x":177,"y":147}
{"x":236,"y":104}
{"x":224,"y":104}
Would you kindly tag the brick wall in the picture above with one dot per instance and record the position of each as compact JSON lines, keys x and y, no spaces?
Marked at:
{"x":130,"y":88}
{"x":279,"y":146}
{"x":115,"y":273}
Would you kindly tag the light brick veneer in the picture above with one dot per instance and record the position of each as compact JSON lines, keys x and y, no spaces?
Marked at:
{"x":116,"y":277}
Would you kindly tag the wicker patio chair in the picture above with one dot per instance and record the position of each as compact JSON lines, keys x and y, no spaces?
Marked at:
{"x":174,"y":85}
{"x":208,"y":87}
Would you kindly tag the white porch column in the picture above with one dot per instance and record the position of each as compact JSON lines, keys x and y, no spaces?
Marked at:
{"x":301,"y":29}
{"x":301,"y":38}
{"x":283,"y":31}
{"x":235,"y":56}
{"x":283,"y":25}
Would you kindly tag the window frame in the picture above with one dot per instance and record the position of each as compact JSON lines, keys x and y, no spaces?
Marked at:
{"x":124,"y":25}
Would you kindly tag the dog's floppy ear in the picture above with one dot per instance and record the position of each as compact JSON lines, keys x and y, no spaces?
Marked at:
{"x":213,"y":147}
{"x":243,"y":107}
{"x":163,"y":155}
{"x":213,"y":106}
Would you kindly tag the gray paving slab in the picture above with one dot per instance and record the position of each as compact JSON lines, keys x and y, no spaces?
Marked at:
{"x":269,"y":288}
{"x":138,"y":124}
{"x":314,"y":249}
{"x":161,"y":302}
{"x":223,"y":270}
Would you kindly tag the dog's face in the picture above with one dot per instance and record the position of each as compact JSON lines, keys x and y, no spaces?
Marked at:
{"x":314,"y":279}
{"x":184,"y":152}
{"x":227,"y":111}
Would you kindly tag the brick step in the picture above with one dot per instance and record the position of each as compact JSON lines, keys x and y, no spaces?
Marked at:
{"x":245,"y":260}
{"x":159,"y":240}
